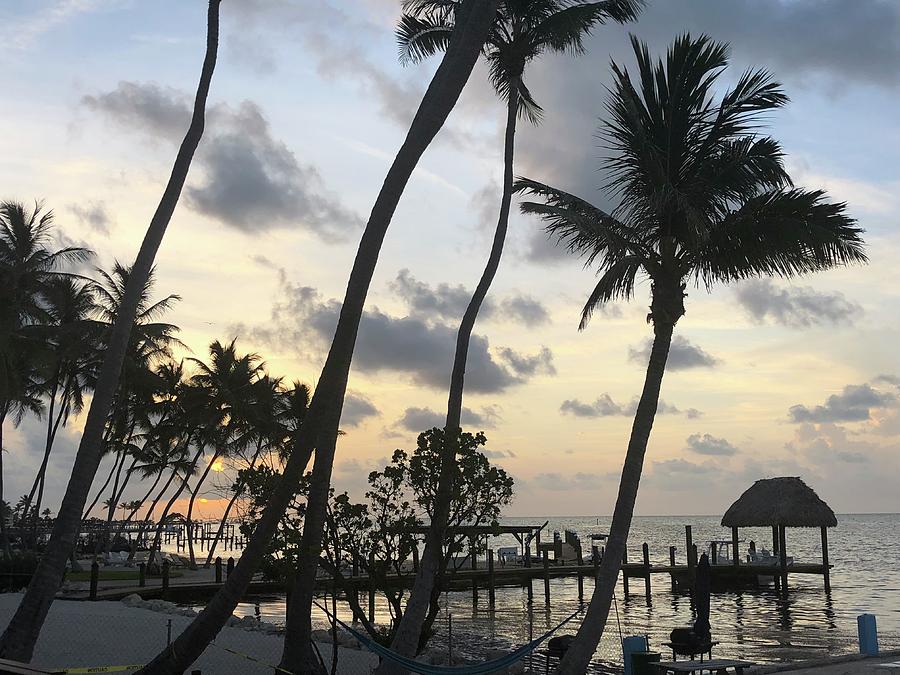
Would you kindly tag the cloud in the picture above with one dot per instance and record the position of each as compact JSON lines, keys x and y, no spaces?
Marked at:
{"x":795,"y":307}
{"x":356,"y":409}
{"x":678,"y":474}
{"x":94,"y":215}
{"x":710,"y":445}
{"x":250,"y":180}
{"x":410,"y":345}
{"x":854,"y":404}
{"x":605,"y":406}
{"x":420,"y":419}
{"x":683,"y":355}
{"x":450,"y":302}
{"x":26,"y":32}
{"x":577,"y":481}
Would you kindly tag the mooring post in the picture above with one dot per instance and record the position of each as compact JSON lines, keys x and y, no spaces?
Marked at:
{"x":624,"y":572}
{"x":546,"y":562}
{"x":95,"y":579}
{"x":491,"y":596}
{"x":218,"y":569}
{"x":646,"y":552}
{"x":734,"y":547}
{"x":371,"y":588}
{"x":596,"y":568}
{"x":714,"y":551}
{"x":229,"y":568}
{"x":142,"y":575}
{"x":528,"y":574}
{"x":672,"y":565}
{"x":826,"y":571}
{"x":165,"y":576}
{"x":415,"y":553}
{"x":689,"y":545}
{"x":580,"y":577}
{"x":474,"y":558}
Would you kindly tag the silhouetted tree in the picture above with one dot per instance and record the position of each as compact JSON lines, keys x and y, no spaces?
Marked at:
{"x":701,"y":197}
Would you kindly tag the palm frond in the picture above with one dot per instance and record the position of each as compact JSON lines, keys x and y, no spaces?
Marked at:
{"x":615,"y":283}
{"x":418,"y":38}
{"x":780,"y":233}
{"x":564,"y":30}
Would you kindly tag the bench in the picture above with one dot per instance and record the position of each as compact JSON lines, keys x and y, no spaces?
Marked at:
{"x":718,"y":666}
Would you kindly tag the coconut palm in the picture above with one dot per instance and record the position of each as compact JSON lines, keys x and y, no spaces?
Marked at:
{"x":225,"y":386}
{"x":28,"y":264}
{"x":268,"y":405}
{"x":321,"y":429}
{"x":23,"y":630}
{"x":522,"y":31}
{"x":702,"y":198}
{"x":70,"y":360}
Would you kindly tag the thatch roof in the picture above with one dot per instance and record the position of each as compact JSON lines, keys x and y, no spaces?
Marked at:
{"x":779,"y":501}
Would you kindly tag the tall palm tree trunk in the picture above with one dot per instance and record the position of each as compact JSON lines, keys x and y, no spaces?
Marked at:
{"x":109,"y":477}
{"x":588,"y":637}
{"x":190,"y":511}
{"x":135,"y":509}
{"x":237,"y":493}
{"x":406,"y":639}
{"x":4,"y":535}
{"x":20,"y":636}
{"x":114,"y":506}
{"x":53,"y":422}
{"x":324,"y":412}
{"x":157,"y":537}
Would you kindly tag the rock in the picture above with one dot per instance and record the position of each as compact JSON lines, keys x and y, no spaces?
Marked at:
{"x":233,"y":620}
{"x":248,"y":622}
{"x":133,"y":600}
{"x":187,"y":611}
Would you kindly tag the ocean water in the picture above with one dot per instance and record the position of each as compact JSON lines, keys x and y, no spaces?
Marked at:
{"x":753,"y":624}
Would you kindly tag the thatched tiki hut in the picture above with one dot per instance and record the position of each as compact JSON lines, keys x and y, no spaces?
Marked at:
{"x":781,"y":503}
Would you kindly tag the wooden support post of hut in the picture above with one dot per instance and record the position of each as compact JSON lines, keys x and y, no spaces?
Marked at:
{"x":736,"y":557}
{"x":528,"y":565}
{"x":624,"y":573}
{"x":781,"y":503}
{"x":689,"y":547}
{"x":672,"y":565}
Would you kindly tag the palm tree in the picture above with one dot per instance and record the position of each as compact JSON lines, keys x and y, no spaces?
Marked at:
{"x":70,"y":360}
{"x":28,"y":265}
{"x":21,"y":634}
{"x":269,"y":404}
{"x":321,"y":428}
{"x":702,"y":198}
{"x":226,"y":387}
{"x":522,"y":31}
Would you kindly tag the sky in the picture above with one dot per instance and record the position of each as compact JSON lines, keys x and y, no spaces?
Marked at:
{"x":308,"y":106}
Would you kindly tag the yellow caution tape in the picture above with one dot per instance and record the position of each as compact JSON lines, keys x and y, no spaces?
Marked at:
{"x":252,"y":658}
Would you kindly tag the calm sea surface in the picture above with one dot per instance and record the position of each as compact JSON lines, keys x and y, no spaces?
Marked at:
{"x":752,"y":624}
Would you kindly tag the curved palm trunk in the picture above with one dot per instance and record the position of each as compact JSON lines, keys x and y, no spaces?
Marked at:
{"x":407,"y":638}
{"x":588,"y":637}
{"x":109,"y":477}
{"x":145,"y":521}
{"x":231,"y":502}
{"x":157,"y":537}
{"x":53,"y":423}
{"x":20,"y":636}
{"x":190,"y":511}
{"x":321,"y":426}
{"x":114,"y":496}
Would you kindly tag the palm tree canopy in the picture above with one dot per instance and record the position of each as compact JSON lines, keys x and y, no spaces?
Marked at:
{"x":701,"y":194}
{"x":522,"y":31}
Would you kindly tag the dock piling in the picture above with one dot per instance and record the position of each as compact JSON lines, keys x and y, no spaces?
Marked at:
{"x":528,"y":564}
{"x":546,"y":562}
{"x":415,"y":554}
{"x":646,"y":552}
{"x":580,"y":578}
{"x":165,"y":576}
{"x":491,"y":596}
{"x":474,"y":558}
{"x":229,"y":568}
{"x":95,"y":579}
{"x":218,"y":569}
{"x":826,"y":571}
{"x":672,"y":565}
{"x":734,"y":547}
{"x":372,"y":588}
{"x":142,"y":575}
{"x":624,"y":573}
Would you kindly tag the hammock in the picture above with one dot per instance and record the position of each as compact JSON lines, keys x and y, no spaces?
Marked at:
{"x":427,"y":669}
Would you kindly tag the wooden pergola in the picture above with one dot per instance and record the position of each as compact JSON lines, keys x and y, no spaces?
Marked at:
{"x":781,"y":503}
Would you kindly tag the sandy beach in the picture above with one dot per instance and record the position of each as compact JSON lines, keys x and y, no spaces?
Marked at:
{"x":91,"y":634}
